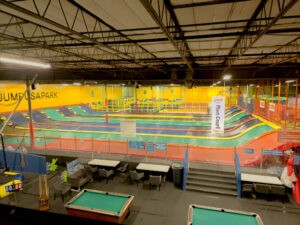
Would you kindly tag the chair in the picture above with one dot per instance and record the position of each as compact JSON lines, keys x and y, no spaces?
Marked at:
{"x":247,"y":190}
{"x":93,"y":169}
{"x":262,"y":189}
{"x":135,"y":176}
{"x":155,"y":181}
{"x":122,"y":169}
{"x":103,"y":173}
{"x":61,"y":189}
{"x":278,"y":190}
{"x":163,"y":179}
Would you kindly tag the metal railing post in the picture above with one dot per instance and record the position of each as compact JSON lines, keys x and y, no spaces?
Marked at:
{"x":60,"y":144}
{"x":127,"y":149}
{"x":92,"y":143}
{"x":45,"y":144}
{"x":108,"y":145}
{"x":75,"y":144}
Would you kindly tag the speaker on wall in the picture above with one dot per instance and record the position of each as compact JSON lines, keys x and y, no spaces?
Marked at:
{"x":33,"y":86}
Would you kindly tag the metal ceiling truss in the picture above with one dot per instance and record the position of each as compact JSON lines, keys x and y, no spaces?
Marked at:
{"x":81,"y":19}
{"x":205,"y":3}
{"x":211,"y":37}
{"x":80,"y":44}
{"x":229,"y":25}
{"x":138,"y":52}
{"x":164,"y":15}
{"x":43,"y":51}
{"x":20,"y":37}
{"x":260,"y":22}
{"x":201,"y":59}
{"x":287,"y":53}
{"x":283,"y":54}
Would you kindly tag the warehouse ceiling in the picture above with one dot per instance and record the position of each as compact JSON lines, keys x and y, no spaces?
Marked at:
{"x":151,"y":41}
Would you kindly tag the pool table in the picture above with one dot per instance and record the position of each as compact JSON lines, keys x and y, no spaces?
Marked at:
{"x":203,"y":215}
{"x":100,"y":205}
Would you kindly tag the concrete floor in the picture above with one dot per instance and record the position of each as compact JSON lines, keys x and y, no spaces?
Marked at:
{"x":169,"y":206}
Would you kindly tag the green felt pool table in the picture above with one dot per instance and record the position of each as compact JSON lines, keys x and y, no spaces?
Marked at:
{"x":203,"y":215}
{"x":99,"y":205}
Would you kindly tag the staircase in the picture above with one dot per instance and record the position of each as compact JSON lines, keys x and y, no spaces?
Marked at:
{"x":211,"y":178}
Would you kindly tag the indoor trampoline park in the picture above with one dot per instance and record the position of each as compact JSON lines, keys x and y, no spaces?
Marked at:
{"x":146,"y":112}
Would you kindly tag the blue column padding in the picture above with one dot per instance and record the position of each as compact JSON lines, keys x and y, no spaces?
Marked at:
{"x":32,"y":163}
{"x":238,"y":175}
{"x":185,"y":168}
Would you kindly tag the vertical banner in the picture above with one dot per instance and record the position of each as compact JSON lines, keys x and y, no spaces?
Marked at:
{"x":218,"y":114}
{"x":128,"y":128}
{"x":272,"y":107}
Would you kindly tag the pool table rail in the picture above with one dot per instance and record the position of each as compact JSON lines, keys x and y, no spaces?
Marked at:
{"x":98,"y":213}
{"x":192,"y":206}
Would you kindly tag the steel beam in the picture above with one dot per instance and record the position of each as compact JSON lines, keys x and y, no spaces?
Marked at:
{"x":290,"y":50}
{"x":138,"y":52}
{"x":68,"y":27}
{"x":264,"y":10}
{"x":198,"y":4}
{"x":164,"y":16}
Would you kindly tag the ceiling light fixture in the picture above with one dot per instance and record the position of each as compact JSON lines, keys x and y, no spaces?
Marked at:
{"x":26,"y":63}
{"x":227,"y":77}
{"x":289,"y":81}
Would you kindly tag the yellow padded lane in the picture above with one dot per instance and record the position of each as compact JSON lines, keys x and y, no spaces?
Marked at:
{"x":273,"y":125}
{"x":150,"y":116}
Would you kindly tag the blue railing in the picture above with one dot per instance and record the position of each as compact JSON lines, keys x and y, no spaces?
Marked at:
{"x":185,"y":168}
{"x":238,"y":174}
{"x":17,"y":161}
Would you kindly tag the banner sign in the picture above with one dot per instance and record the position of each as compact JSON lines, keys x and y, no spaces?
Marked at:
{"x":161,"y":146}
{"x":150,"y":146}
{"x":249,"y":150}
{"x":128,"y":128}
{"x":262,"y":104}
{"x":71,"y":165}
{"x":273,"y":152}
{"x":218,"y":114}
{"x":272,"y":107}
{"x":15,"y":97}
{"x":137,"y":145}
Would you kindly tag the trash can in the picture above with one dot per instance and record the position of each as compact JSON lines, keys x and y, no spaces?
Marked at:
{"x":177,"y":174}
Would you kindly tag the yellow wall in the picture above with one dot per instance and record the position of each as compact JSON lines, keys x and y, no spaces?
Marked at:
{"x":50,"y":95}
{"x":173,"y":92}
{"x":202,"y":94}
{"x":114,"y":92}
{"x":205,"y":94}
{"x":97,"y":94}
{"x":53,"y":95}
{"x":159,"y":92}
{"x":144,"y":93}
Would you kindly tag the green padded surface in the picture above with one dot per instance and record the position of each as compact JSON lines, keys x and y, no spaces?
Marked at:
{"x":94,"y":200}
{"x":202,"y":216}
